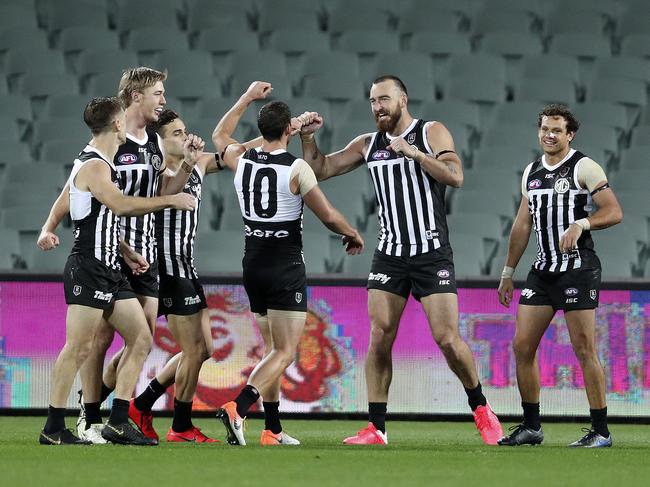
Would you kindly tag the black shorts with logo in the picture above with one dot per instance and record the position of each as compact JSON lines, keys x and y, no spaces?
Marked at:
{"x":180,"y":296}
{"x":89,"y":282}
{"x":569,"y":290}
{"x":143,"y":284}
{"x":421,"y":275}
{"x":275,"y":283}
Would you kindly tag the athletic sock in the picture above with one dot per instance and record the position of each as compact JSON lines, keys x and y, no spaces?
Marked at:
{"x":475,"y":397}
{"x":119,"y":412}
{"x":272,"y":417}
{"x":93,"y":414}
{"x":377,"y":415}
{"x":106,"y":391}
{"x":531,"y":415}
{"x":246,"y":398}
{"x":55,"y":420}
{"x":144,"y":402}
{"x":599,"y":421}
{"x":182,"y":416}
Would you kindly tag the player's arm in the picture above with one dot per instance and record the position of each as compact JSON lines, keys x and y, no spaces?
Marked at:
{"x":95,"y":177}
{"x":222,"y":135}
{"x":172,"y":183}
{"x":136,"y":262}
{"x":48,"y":240}
{"x":340,"y":162}
{"x":444,"y":165}
{"x":517,"y":243}
{"x":303,"y":182}
{"x":591,"y":176}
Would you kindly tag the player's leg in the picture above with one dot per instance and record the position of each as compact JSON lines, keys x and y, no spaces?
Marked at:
{"x":81,"y":323}
{"x":532,"y":322}
{"x":582,"y":331}
{"x":128,"y":318}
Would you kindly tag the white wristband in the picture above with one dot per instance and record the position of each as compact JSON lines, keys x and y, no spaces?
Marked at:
{"x":507,"y":272}
{"x":583,"y":223}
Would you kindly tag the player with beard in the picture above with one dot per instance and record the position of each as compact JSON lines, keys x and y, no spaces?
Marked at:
{"x":273,"y":186}
{"x":140,"y":162}
{"x":558,"y":192}
{"x":411,"y":162}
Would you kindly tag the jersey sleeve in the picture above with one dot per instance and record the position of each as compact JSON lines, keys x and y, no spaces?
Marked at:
{"x":590,"y":174}
{"x":306,"y":177}
{"x":524,"y":178}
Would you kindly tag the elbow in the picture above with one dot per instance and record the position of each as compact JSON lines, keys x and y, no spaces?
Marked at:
{"x":617,"y":216}
{"x":458,"y":181}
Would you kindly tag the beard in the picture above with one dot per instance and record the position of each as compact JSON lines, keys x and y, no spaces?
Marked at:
{"x":388,"y":124}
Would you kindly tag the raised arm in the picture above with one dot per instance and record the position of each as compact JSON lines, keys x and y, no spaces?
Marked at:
{"x":443,"y":165}
{"x":517,"y":243}
{"x":95,"y":177}
{"x":327,"y":166}
{"x":48,"y":239}
{"x":172,"y":183}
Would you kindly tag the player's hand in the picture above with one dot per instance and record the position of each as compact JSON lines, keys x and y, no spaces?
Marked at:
{"x":296,"y":124}
{"x":569,"y":239}
{"x":506,"y":289}
{"x":310,"y":122}
{"x":400,"y":146}
{"x":183,"y":201}
{"x":258,"y":90}
{"x":193,"y":149}
{"x":47,"y":241}
{"x":135,"y":261}
{"x":354,"y":244}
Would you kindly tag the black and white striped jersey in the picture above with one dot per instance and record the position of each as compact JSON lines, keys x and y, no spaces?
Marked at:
{"x":411,"y":204}
{"x":138,"y":163}
{"x":96,"y":227}
{"x":272,"y":213}
{"x":555,"y":200}
{"x":176,"y":232}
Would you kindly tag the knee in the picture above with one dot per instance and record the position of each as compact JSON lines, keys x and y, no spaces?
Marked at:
{"x":79,"y":350}
{"x":197,"y":352}
{"x":142,"y":343}
{"x":523,"y":350}
{"x":286,"y":356}
{"x":103,"y":341}
{"x":585,"y":352}
{"x":381,"y":340}
{"x":448,"y":344}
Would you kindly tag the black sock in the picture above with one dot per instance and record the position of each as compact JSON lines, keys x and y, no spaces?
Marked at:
{"x":55,"y":420}
{"x":599,"y":421}
{"x":531,"y":415}
{"x":119,"y":412}
{"x":182,"y":416}
{"x":93,"y":415}
{"x":106,"y":391}
{"x":144,"y":402}
{"x":377,"y":415}
{"x":272,"y":417}
{"x":246,"y":398}
{"x":475,"y":397}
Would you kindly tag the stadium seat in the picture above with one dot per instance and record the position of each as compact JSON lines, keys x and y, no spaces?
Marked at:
{"x":465,"y":88}
{"x":81,"y":38}
{"x":499,"y":203}
{"x":511,"y":44}
{"x":625,"y":67}
{"x":636,"y":158}
{"x":582,"y":45}
{"x":516,"y":157}
{"x":156,"y":39}
{"x":183,"y":63}
{"x":465,"y":8}
{"x":10,"y":253}
{"x":17,"y":13}
{"x":9,"y":129}
{"x":633,"y":202}
{"x":258,"y":65}
{"x":329,"y":63}
{"x":564,"y":21}
{"x":16,"y":106}
{"x":66,"y":106}
{"x":219,"y":251}
{"x":40,"y":176}
{"x":523,"y":268}
{"x":636,"y":45}
{"x":28,"y":194}
{"x":144,"y":16}
{"x":640,"y":136}
{"x":519,"y":112}
{"x":316,"y":250}
{"x":63,"y":150}
{"x":565,"y":67}
{"x":628,"y":180}
{"x":219,"y":14}
{"x":57,"y":127}
{"x":408,"y":64}
{"x":281,"y":86}
{"x":617,"y":90}
{"x":359,"y":265}
{"x":440,"y":44}
{"x":47,"y":84}
{"x":349,"y":17}
{"x":491,"y":21}
{"x":69,"y":13}
{"x":284,"y":40}
{"x":315,"y":104}
{"x":634,"y":22}
{"x":272,"y":19}
{"x":19,"y":61}
{"x":598,"y":136}
{"x":22,"y":37}
{"x":480,"y":223}
{"x":546,"y":90}
{"x":15,"y":153}
{"x":105,"y":60}
{"x":334,"y":86}
{"x":469,"y":255}
{"x":452,"y":111}
{"x":490,"y":177}
{"x":412,"y":20}
{"x":223,"y":41}
{"x":603,"y":7}
{"x":25,"y":219}
{"x":365,"y":42}
{"x":603,"y":113}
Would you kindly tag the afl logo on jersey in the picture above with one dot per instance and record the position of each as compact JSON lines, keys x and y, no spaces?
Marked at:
{"x":571,"y":291}
{"x":561,"y":186}
{"x":127,"y":159}
{"x":443,"y":273}
{"x":381,"y":154}
{"x":156,"y":162}
{"x":534,"y":184}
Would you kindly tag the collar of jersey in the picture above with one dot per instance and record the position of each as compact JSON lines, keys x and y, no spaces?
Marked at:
{"x":408,"y":129}
{"x":90,"y":148}
{"x":559,"y":164}
{"x":273,"y":153}
{"x":139,"y":141}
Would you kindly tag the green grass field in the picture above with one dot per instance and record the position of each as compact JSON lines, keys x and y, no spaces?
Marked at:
{"x":419,"y":454}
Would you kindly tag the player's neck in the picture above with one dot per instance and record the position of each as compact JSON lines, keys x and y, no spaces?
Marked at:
{"x":173,"y":163}
{"x":107,"y":144}
{"x":135,"y":122}
{"x":557,"y":157}
{"x":404,"y":121}
{"x":274,"y":145}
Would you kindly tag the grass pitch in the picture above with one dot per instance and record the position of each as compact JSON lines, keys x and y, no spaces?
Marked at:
{"x":419,"y":454}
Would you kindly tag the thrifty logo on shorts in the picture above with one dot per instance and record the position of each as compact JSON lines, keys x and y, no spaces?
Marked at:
{"x":383,"y":278}
{"x":527,"y":293}
{"x":103,"y":296}
{"x":192,"y":300}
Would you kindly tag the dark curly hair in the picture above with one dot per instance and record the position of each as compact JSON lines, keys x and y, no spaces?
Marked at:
{"x":554,"y":110}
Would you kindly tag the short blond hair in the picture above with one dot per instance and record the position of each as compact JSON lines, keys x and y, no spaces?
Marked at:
{"x":137,"y":79}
